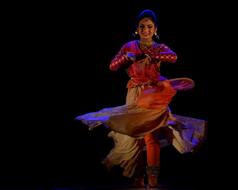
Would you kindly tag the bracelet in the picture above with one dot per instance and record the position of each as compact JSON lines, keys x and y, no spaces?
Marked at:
{"x":148,"y":56}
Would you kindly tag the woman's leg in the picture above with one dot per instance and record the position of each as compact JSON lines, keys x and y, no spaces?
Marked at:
{"x":153,"y":150}
{"x":153,"y":159}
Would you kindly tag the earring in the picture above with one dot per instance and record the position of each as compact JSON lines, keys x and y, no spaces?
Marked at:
{"x":156,"y":36}
{"x":135,"y":34}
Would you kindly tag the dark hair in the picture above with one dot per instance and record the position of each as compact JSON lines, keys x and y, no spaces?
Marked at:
{"x":147,"y":13}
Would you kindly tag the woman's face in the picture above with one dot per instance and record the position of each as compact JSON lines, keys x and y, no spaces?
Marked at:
{"x":146,"y":29}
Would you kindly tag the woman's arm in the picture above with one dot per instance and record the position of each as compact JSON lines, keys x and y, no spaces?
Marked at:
{"x":123,"y":59}
{"x":119,"y":61}
{"x":165,"y":54}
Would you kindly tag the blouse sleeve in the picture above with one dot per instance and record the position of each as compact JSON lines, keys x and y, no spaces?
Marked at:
{"x":120,"y":60}
{"x":164,"y":54}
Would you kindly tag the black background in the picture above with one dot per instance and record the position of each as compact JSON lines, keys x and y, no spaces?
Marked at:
{"x":57,"y":69}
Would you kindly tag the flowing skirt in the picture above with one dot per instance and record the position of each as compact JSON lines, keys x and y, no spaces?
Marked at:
{"x":146,"y":111}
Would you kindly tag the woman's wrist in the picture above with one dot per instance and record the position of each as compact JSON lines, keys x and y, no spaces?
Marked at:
{"x":131,"y":56}
{"x":148,"y":56}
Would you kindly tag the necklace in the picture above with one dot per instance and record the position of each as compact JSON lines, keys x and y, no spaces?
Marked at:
{"x":145,"y":45}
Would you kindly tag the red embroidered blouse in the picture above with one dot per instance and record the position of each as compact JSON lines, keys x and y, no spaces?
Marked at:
{"x":142,"y":74}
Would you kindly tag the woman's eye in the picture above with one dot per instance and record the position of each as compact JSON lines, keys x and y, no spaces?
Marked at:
{"x":143,"y":27}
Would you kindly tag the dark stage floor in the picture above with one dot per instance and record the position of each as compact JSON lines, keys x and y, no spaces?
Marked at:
{"x":69,"y":159}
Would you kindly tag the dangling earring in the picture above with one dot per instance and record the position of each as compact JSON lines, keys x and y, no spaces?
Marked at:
{"x":156,"y":36}
{"x":135,"y":34}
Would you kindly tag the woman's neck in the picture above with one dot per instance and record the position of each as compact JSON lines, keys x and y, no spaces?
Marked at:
{"x":147,"y":43}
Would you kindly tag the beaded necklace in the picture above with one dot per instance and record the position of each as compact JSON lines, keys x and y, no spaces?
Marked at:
{"x":145,"y":46}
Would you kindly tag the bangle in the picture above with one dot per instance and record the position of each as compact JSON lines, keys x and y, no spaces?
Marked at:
{"x":148,"y":56}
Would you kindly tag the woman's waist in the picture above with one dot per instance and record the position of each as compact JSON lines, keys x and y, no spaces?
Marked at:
{"x":144,"y":82}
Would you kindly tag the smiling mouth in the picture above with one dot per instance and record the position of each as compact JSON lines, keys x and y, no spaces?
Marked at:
{"x":146,"y":34}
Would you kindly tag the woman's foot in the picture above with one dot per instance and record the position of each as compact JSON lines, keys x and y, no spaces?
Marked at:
{"x":153,"y":180}
{"x":152,"y":175}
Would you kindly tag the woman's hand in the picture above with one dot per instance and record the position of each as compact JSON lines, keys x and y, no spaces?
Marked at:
{"x":144,"y":61}
{"x":131,"y":56}
{"x":141,"y":58}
